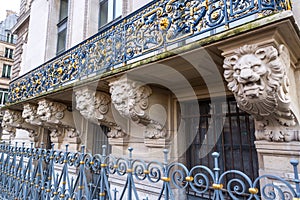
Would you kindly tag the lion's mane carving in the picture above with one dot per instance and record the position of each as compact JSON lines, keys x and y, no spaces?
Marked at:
{"x":130,"y":99}
{"x":257,"y":77}
{"x":51,"y":112}
{"x":30,"y":114}
{"x":94,"y":106}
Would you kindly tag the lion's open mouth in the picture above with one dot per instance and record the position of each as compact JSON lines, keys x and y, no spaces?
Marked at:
{"x":253,"y":89}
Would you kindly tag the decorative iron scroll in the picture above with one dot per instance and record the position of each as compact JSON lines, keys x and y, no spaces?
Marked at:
{"x":43,"y":174}
{"x":153,"y":27}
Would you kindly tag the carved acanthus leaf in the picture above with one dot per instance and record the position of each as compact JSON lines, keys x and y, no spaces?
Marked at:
{"x":72,"y":133}
{"x":56,"y":132}
{"x":258,"y":79}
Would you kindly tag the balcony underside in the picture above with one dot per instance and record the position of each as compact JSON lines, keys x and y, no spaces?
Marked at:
{"x":83,"y":64}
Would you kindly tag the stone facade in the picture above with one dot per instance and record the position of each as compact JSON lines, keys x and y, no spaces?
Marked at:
{"x":142,"y":103}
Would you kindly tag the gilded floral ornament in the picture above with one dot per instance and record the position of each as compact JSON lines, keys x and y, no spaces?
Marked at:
{"x":164,"y":24}
{"x":258,"y":79}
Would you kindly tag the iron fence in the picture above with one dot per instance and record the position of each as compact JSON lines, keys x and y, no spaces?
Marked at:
{"x":38,"y":173}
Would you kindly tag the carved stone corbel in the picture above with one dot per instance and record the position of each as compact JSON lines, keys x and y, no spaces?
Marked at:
{"x":131,"y":100}
{"x":13,"y":120}
{"x":30,"y":114}
{"x":55,"y":117}
{"x":257,"y":76}
{"x":52,"y":112}
{"x":95,"y":106}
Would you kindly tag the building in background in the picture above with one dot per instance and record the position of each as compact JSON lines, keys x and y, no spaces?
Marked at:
{"x":7,"y":48}
{"x":154,"y":75}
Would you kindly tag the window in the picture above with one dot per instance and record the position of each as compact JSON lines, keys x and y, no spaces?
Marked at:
{"x":6,"y":71}
{"x":10,"y":38}
{"x":109,"y":10}
{"x":220,"y":127}
{"x":62,"y":26}
{"x":103,"y":12}
{"x":3,"y":96}
{"x":8,"y":53}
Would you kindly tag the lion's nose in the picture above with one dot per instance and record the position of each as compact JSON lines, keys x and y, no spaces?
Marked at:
{"x":246,"y":74}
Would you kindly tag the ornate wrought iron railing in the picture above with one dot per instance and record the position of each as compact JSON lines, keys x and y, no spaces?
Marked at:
{"x":154,"y":27}
{"x":37,"y":173}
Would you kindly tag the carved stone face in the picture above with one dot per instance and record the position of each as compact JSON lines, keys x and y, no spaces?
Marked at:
{"x":28,"y":112}
{"x":249,"y":72}
{"x":254,"y":76}
{"x":7,"y":118}
{"x":44,"y":110}
{"x":85,"y":103}
{"x":120,"y":95}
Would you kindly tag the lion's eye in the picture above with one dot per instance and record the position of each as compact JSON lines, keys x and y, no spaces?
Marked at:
{"x":255,"y":67}
{"x":237,"y":71}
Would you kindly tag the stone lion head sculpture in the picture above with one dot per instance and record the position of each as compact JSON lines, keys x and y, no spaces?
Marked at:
{"x":255,"y":77}
{"x":47,"y":110}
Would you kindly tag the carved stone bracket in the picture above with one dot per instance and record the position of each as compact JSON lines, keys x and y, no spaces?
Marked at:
{"x":55,"y":117}
{"x":13,"y":120}
{"x":131,"y":100}
{"x":30,"y":114}
{"x":257,"y":76}
{"x":95,"y":107}
{"x":51,"y":112}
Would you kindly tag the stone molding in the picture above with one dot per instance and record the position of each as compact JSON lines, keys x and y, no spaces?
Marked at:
{"x":131,"y":100}
{"x":257,"y":76}
{"x":95,"y":106}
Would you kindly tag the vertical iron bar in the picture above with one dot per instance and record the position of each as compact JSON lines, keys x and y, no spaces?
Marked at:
{"x":166,"y":173}
{"x":129,"y":175}
{"x":296,"y":179}
{"x":216,"y":170}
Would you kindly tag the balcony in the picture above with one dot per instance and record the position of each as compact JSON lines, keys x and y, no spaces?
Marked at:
{"x":144,"y":36}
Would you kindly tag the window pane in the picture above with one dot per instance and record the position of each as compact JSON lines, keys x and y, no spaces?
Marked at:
{"x":61,"y":41}
{"x":11,"y":54}
{"x":4,"y":71}
{"x":6,"y":53}
{"x":8,"y":71}
{"x":63,"y":9}
{"x":5,"y":97}
{"x":1,"y":95}
{"x":103,"y":13}
{"x":7,"y":37}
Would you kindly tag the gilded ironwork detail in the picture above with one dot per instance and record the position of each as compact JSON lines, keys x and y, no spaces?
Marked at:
{"x":153,"y":27}
{"x":28,"y":176}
